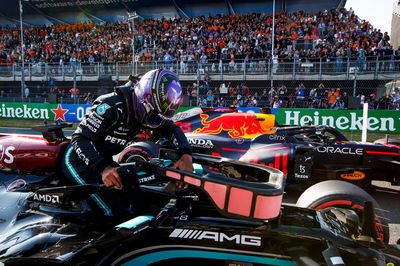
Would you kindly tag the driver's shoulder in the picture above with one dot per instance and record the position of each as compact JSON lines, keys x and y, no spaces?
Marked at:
{"x":111,"y":99}
{"x":109,"y":104}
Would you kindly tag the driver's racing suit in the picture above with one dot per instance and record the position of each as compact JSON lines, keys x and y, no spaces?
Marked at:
{"x":105,"y":131}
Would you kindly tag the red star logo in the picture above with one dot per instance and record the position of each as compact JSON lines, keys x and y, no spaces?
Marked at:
{"x":59,"y":112}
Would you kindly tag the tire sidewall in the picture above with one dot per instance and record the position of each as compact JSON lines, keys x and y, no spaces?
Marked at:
{"x":340,"y":194}
{"x":142,"y":150}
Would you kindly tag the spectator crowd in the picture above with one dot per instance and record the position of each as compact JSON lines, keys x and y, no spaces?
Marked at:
{"x":331,"y":35}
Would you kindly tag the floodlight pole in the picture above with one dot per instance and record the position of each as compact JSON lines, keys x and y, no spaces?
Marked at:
{"x":22,"y":52}
{"x":273,"y":26}
{"x":273,"y":42}
{"x":131,"y":18}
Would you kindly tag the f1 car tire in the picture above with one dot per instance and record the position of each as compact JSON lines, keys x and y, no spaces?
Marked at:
{"x":335,"y":193}
{"x":142,"y":150}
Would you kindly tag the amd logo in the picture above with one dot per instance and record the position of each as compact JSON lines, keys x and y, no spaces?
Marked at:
{"x":216,"y":236}
{"x":201,"y":143}
{"x":47,"y":198}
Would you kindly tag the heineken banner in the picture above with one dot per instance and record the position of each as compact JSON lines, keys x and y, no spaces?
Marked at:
{"x":343,"y":120}
{"x":43,"y":111}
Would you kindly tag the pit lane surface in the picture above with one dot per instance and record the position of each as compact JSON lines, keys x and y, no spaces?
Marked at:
{"x":386,"y":195}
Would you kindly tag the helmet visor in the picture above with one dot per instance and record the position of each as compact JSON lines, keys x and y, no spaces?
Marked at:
{"x":169,"y":95}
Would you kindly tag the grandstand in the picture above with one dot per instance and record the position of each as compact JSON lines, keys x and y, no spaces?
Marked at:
{"x":44,"y":12}
{"x":90,"y":42}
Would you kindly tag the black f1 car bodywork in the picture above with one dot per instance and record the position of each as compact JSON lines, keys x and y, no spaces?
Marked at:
{"x":306,"y":154}
{"x":225,"y":213}
{"x":215,"y":220}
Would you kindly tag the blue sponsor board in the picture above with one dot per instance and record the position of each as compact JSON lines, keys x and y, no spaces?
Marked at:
{"x":76,"y":112}
{"x":255,"y":110}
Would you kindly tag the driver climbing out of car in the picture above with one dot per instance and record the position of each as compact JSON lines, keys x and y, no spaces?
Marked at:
{"x":146,"y":102}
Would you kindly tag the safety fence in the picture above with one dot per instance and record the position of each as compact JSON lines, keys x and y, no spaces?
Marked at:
{"x":283,"y":94}
{"x":316,"y":68}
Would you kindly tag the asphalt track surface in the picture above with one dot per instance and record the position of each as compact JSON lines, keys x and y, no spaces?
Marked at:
{"x":385,"y":194}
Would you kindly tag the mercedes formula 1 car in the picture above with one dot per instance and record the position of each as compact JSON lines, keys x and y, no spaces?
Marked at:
{"x":226,"y":212}
{"x":305,"y":154}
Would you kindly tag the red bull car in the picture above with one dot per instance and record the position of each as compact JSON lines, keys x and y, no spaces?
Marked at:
{"x":305,"y":154}
{"x":314,"y":159}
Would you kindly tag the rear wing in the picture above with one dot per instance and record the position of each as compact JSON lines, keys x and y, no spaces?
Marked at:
{"x":52,"y":132}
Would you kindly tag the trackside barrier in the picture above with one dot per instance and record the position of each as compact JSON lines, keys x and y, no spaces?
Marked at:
{"x":382,"y":121}
{"x":43,"y":111}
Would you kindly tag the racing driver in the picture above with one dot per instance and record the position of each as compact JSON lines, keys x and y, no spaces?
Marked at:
{"x":112,"y":123}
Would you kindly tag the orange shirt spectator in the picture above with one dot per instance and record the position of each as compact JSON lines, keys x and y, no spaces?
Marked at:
{"x":331,"y":97}
{"x":295,"y":36}
{"x":74,"y":91}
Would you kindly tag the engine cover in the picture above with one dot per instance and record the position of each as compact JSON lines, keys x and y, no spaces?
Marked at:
{"x":30,"y":153}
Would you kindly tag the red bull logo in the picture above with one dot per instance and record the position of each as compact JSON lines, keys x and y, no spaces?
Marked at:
{"x":238,"y":125}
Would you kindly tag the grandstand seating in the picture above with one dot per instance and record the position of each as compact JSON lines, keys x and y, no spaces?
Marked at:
{"x":204,"y":8}
{"x":251,"y":6}
{"x":229,"y":39}
{"x":158,"y":12}
{"x":309,"y":6}
{"x":59,"y":11}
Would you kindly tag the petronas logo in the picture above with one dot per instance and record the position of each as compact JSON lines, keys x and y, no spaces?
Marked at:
{"x":101,"y":110}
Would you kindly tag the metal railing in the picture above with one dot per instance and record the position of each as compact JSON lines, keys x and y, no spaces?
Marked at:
{"x":224,"y":100}
{"x":318,"y":68}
